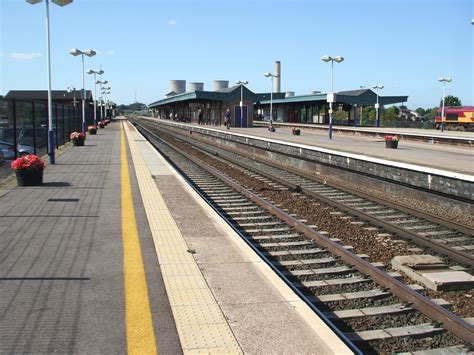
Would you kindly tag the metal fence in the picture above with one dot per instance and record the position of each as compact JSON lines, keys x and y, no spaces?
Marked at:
{"x":24,"y":126}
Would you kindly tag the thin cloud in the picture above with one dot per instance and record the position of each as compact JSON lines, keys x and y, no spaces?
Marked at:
{"x":172,"y":22}
{"x":106,"y":53}
{"x":24,"y":56}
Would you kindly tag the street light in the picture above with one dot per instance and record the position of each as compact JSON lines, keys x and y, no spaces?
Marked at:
{"x":326,"y":59}
{"x":105,"y":91}
{"x":377,"y":106}
{"x":51,"y":139}
{"x":242,"y":83}
{"x":361,"y":107}
{"x":444,"y":81}
{"x":103,"y":82}
{"x":95,"y":72}
{"x":73,"y":90}
{"x":90,"y":53}
{"x":270,"y":75}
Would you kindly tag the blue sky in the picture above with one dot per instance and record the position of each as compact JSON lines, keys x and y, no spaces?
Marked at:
{"x":142,"y":44}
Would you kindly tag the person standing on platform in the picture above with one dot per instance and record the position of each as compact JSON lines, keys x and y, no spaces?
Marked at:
{"x":199,"y":116}
{"x":227,"y":118}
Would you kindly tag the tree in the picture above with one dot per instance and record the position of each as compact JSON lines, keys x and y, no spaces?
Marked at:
{"x":450,"y":100}
{"x":430,"y":114}
{"x":421,"y":111}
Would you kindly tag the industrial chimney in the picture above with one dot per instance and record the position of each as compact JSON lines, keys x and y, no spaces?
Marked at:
{"x":278,"y":74}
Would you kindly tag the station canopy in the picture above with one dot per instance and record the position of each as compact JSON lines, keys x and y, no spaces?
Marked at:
{"x":361,"y":97}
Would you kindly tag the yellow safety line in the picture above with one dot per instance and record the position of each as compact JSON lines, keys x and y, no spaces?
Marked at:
{"x":139,"y":324}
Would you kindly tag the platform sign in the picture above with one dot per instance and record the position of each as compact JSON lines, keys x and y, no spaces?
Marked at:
{"x":331,"y":97}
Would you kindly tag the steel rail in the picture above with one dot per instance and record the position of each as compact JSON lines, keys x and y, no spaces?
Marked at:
{"x":425,"y":215}
{"x":275,"y":269}
{"x":450,"y":321}
{"x":438,"y":247}
{"x":455,"y":255}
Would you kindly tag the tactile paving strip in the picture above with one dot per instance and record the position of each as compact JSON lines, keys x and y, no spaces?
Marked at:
{"x":201,"y":325}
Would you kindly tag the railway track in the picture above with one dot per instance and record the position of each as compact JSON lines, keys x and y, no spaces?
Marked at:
{"x":367,"y":305}
{"x":426,"y":230}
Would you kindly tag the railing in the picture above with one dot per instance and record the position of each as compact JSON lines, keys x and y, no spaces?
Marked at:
{"x":24,"y":127}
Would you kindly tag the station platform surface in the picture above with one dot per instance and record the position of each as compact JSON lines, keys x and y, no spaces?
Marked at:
{"x":114,"y":254}
{"x":454,"y":159}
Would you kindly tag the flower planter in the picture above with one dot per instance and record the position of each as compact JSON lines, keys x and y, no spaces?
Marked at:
{"x":391,"y":144}
{"x":296,"y":132}
{"x":29,"y":177}
{"x":101,"y":126}
{"x":78,"y":142}
{"x":93,"y":131}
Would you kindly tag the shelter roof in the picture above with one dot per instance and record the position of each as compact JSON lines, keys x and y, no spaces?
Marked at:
{"x":57,"y":95}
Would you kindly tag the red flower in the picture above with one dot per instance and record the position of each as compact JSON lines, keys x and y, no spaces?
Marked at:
{"x":77,"y":135}
{"x":391,"y":138}
{"x":28,"y":162}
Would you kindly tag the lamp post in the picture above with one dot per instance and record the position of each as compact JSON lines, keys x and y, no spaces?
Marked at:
{"x":90,"y":53}
{"x":101,"y":87}
{"x":95,"y":72}
{"x":105,"y":91}
{"x":51,"y":138}
{"x":377,"y":105}
{"x":242,"y":83}
{"x":270,"y":75}
{"x":326,"y":59}
{"x":444,"y":81}
{"x":361,"y":108}
{"x":73,"y":90}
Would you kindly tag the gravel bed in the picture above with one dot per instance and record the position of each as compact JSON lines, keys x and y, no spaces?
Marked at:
{"x":378,"y":248}
{"x":361,"y":303}
{"x":382,"y":321}
{"x":391,"y":346}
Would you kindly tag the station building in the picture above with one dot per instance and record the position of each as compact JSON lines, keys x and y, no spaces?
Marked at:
{"x":314,"y":108}
{"x":187,"y":106}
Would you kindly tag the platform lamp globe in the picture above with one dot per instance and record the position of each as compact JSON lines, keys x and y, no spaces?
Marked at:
{"x":95,"y":72}
{"x":444,"y":81}
{"x":90,"y":53}
{"x":51,"y":138}
{"x":270,"y":75}
{"x":242,"y":83}
{"x":377,"y":105}
{"x":331,"y":96}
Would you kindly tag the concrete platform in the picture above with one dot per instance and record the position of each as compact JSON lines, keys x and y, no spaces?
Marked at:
{"x":78,"y":252}
{"x":61,"y":258}
{"x":443,"y":157}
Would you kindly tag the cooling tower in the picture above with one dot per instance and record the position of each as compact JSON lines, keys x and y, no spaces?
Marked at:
{"x":178,"y":86}
{"x":220,"y":84}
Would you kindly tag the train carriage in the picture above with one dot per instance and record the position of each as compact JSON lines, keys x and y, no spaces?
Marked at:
{"x":458,"y":118}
